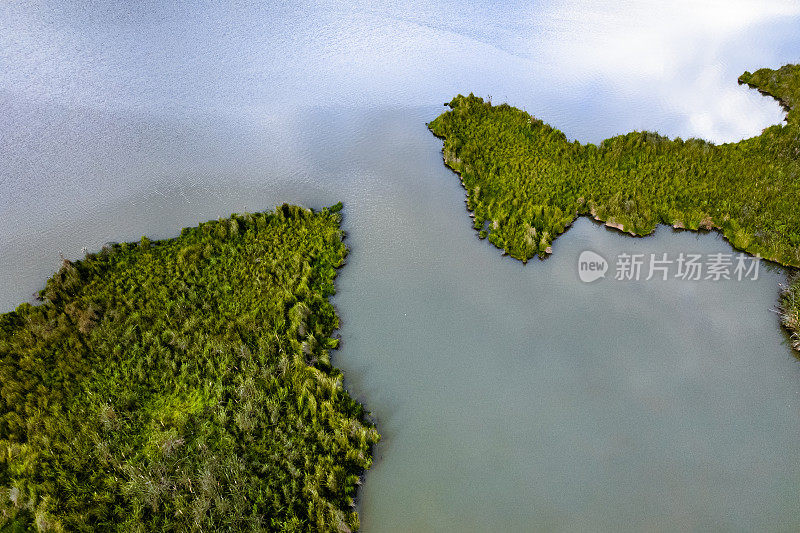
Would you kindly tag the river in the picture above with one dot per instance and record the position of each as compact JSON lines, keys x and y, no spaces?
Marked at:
{"x":510,"y":397}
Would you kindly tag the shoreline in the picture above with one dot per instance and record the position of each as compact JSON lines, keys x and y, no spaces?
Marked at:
{"x":187,"y":356}
{"x":631,"y":183}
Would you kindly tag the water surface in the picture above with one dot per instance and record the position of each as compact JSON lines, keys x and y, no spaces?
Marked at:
{"x":510,"y":397}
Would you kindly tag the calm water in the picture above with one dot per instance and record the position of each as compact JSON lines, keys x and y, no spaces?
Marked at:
{"x":510,"y":397}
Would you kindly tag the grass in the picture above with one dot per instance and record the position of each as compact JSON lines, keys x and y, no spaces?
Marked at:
{"x":185,"y":385}
{"x":526,"y":182}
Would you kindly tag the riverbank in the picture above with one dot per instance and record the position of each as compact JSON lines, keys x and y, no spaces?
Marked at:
{"x":185,"y":384}
{"x":526,"y":182}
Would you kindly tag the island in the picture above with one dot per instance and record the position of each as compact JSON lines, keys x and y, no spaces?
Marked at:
{"x":526,"y":182}
{"x":185,"y":385}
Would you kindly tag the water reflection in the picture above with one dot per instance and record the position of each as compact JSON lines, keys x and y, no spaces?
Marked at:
{"x":511,"y":397}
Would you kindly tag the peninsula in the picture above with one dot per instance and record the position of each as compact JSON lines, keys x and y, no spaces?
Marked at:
{"x":185,"y":385}
{"x":526,"y":182}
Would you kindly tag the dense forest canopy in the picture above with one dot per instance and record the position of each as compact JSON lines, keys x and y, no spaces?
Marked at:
{"x":184,"y":385}
{"x":526,"y":182}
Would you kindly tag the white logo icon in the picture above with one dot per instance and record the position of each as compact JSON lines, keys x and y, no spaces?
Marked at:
{"x":591,"y":266}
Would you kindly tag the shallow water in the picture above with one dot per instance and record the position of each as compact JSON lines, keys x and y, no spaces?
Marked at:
{"x":510,"y":397}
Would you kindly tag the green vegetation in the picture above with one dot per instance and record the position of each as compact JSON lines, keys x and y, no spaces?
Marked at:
{"x":790,"y":310}
{"x":184,"y":385}
{"x":782,"y":84}
{"x":526,"y":182}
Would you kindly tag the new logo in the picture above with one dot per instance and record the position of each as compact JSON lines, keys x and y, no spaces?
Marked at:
{"x":591,"y":266}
